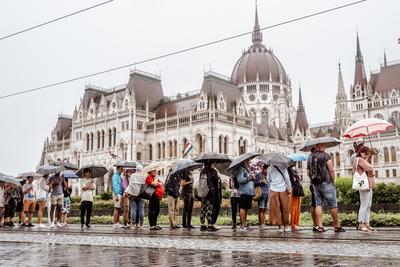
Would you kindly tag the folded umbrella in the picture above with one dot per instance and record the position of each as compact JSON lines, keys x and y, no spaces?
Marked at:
{"x":96,"y":171}
{"x":9,"y":179}
{"x":298,"y":157}
{"x":48,"y":169}
{"x":212,"y":157}
{"x":236,"y":162}
{"x":328,"y":141}
{"x":276,"y":159}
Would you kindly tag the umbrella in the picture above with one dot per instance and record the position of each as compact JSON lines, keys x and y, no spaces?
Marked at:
{"x":276,"y":159}
{"x":9,"y":179}
{"x":298,"y":157}
{"x":67,"y":165}
{"x":125,"y":164}
{"x":367,"y":127}
{"x":186,"y":165}
{"x":47,"y":169}
{"x":241,"y":158}
{"x":25,"y":175}
{"x":213,"y":157}
{"x":96,"y":171}
{"x":70,"y":175}
{"x":154,"y":166}
{"x":328,"y":141}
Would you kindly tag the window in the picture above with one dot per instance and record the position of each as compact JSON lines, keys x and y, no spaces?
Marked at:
{"x":220,"y":143}
{"x":87,"y":142}
{"x":242,"y":146}
{"x":199,"y":143}
{"x":98,"y":140}
{"x":102,"y":138}
{"x":109,"y":137}
{"x":264,"y":116}
{"x":387,"y":173}
{"x":394,"y":171}
{"x":251,"y":88}
{"x":226,"y":143}
{"x":91,"y":141}
{"x":114,"y":136}
{"x":127,"y":125}
{"x":123,"y":125}
{"x":252,"y":113}
{"x":139,"y":125}
{"x":393,"y":154}
{"x":221,"y":103}
{"x":386,"y":154}
{"x":376,"y":174}
{"x":395,"y":118}
{"x":337,"y":159}
{"x":150,"y":152}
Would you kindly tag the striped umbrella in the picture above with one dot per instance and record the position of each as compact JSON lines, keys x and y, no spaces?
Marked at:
{"x":367,"y":127}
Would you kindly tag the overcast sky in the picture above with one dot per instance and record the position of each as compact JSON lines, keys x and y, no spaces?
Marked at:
{"x":126,"y":31}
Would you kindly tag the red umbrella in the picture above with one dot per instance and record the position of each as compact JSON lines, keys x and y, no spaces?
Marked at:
{"x":367,"y":127}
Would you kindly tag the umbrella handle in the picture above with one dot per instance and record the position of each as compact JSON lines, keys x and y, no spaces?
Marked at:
{"x":369,"y":137}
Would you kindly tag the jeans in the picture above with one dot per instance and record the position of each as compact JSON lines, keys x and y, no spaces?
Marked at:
{"x":154,"y":210}
{"x":86,"y":207}
{"x":188,"y":201}
{"x":137,"y":210}
{"x":365,"y":206}
{"x":235,"y":208}
{"x":173,"y":210}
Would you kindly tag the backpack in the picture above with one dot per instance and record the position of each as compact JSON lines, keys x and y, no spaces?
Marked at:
{"x":235,"y":180}
{"x":203,"y":189}
{"x":316,"y":171}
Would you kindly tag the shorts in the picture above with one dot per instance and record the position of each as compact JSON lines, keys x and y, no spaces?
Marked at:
{"x":125,"y":203}
{"x":42,"y":203}
{"x":325,"y":191}
{"x":312,"y":196}
{"x":263,"y":203}
{"x":20,"y":206}
{"x":117,"y":201}
{"x":245,"y":202}
{"x":29,"y":205}
{"x":9,"y":211}
{"x":67,"y":205}
{"x":57,"y":200}
{"x":2,"y":203}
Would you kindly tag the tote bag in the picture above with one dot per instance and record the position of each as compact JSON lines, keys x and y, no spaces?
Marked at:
{"x":360,"y":181}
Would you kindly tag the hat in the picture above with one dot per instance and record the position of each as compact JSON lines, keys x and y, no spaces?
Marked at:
{"x":358,"y":143}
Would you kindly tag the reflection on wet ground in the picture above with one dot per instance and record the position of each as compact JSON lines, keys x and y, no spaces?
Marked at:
{"x":33,"y":254}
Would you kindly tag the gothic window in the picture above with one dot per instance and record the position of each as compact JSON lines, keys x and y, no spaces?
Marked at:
{"x":252,"y":97}
{"x":221,"y":103}
{"x":199,"y":143}
{"x":264,"y":88}
{"x":122,"y":150}
{"x":139,"y":152}
{"x":158,"y":150}
{"x":91,"y":141}
{"x":395,"y":118}
{"x":163,"y":149}
{"x":393,"y":154}
{"x":175,"y":149}
{"x":220,"y":144}
{"x":126,"y":103}
{"x":386,"y":154}
{"x":114,"y":136}
{"x":252,"y":113}
{"x":332,"y":158}
{"x":87,"y":142}
{"x":240,"y":108}
{"x":102,"y":138}
{"x":109,"y":138}
{"x":150,"y":152}
{"x":251,"y":88}
{"x":98,"y":140}
{"x":264,"y":115}
{"x":202,"y":103}
{"x":242,"y":146}
{"x":170,"y":148}
{"x":184,"y":144}
{"x":226,"y":142}
{"x":337,"y":159}
{"x":264,"y":97}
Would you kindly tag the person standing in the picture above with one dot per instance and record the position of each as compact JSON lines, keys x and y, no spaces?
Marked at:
{"x":11,"y":198}
{"x":41,"y":198}
{"x":154,"y":205}
{"x":2,"y":202}
{"x":67,"y":190}
{"x":87,"y":188}
{"x":246,"y":192}
{"x":57,"y":198}
{"x":117,"y":192}
{"x":207,"y":185}
{"x":29,"y":202}
{"x":295,"y":201}
{"x":188,"y":198}
{"x":261,"y":181}
{"x":233,"y":186}
{"x":361,"y":165}
{"x":172,"y":185}
{"x":125,"y":200}
{"x":136,"y":203}
{"x":322,"y":176}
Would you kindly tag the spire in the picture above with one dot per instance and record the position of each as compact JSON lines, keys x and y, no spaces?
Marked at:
{"x":301,"y":105}
{"x":359,"y":57}
{"x":384,"y":58}
{"x":341,"y":92}
{"x":301,"y":118}
{"x":257,"y":35}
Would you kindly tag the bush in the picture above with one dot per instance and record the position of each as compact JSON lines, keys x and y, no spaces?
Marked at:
{"x":345,"y":193}
{"x":106,"y":196}
{"x":386,"y":193}
{"x":76,"y":199}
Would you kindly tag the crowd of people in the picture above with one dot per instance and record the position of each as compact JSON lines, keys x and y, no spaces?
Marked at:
{"x":275,"y":189}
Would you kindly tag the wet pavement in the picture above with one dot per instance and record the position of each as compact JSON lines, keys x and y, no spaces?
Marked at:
{"x":105,"y":246}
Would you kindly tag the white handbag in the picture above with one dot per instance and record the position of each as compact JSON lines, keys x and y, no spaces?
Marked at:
{"x":360,"y":181}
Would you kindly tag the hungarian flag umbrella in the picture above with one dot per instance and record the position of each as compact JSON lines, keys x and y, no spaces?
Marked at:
{"x":96,"y":171}
{"x":9,"y":179}
{"x":48,"y":169}
{"x":236,"y":162}
{"x":367,"y":127}
{"x":328,"y":141}
{"x":212,"y":157}
{"x":276,"y":159}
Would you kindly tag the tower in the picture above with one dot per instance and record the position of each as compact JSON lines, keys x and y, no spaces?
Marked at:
{"x":301,"y":118}
{"x":342,"y":111}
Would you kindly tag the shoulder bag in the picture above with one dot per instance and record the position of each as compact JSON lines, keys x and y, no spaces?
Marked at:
{"x":360,"y":181}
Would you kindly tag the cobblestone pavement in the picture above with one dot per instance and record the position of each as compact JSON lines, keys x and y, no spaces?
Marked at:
{"x":105,"y":246}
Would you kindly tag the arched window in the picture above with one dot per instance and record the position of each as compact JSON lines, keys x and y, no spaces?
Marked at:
{"x":395,"y":118}
{"x":98,"y":140}
{"x":158,"y":150}
{"x":386,"y":154}
{"x":122,"y":150}
{"x":87,"y":142}
{"x":332,"y":158}
{"x":102,"y":138}
{"x":240,"y":108}
{"x":175,"y":149}
{"x":109,"y":138}
{"x":163,"y":150}
{"x":220,"y":144}
{"x":202,"y":103}
{"x":378,"y":116}
{"x":264,"y":116}
{"x":242,"y":146}
{"x":150,"y":152}
{"x":393,"y":154}
{"x":375,"y":158}
{"x":337,"y":159}
{"x":221,"y":103}
{"x":252,"y":113}
{"x":91,"y":141}
{"x":171,"y":149}
{"x":139,"y":152}
{"x":199,"y":143}
{"x":114,"y":136}
{"x":184,"y":144}
{"x":226,"y":143}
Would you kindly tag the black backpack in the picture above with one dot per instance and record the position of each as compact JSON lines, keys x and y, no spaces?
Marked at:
{"x":316,"y":171}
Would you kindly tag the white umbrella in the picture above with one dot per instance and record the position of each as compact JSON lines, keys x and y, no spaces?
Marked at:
{"x":367,"y":127}
{"x":9,"y":179}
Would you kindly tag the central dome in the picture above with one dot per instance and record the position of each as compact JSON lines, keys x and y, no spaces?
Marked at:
{"x":258,"y":61}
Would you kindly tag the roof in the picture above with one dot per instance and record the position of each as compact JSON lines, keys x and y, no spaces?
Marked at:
{"x":301,"y":118}
{"x":63,"y":128}
{"x":387,"y":79}
{"x":178,"y":106}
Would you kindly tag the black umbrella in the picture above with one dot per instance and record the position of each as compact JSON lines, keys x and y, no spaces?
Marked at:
{"x":328,"y":141}
{"x":125,"y":164}
{"x":276,"y":159}
{"x":96,"y":171}
{"x":48,"y":169}
{"x":241,"y":158}
{"x":213,"y":158}
{"x":186,"y":165}
{"x":68,"y":165}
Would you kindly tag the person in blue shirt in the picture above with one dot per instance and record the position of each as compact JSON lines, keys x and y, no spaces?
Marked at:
{"x":261,"y":181}
{"x":246,"y":192}
{"x":117,"y":192}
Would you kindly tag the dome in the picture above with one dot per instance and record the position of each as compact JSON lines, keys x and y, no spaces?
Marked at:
{"x":258,"y":60}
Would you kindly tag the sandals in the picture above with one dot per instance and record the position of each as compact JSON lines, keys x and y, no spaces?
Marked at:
{"x":339,"y":229}
{"x":319,"y":229}
{"x":364,"y":229}
{"x":370,"y":228}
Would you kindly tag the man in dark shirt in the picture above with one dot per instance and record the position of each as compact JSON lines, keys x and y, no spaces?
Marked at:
{"x":188,"y":199}
{"x":324,"y":189}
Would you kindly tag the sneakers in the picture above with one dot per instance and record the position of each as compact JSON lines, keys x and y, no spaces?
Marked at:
{"x":263,"y":227}
{"x":59,"y":225}
{"x":155,"y":228}
{"x":41,"y":225}
{"x":203,"y":228}
{"x":117,"y":225}
{"x":287,"y":230}
{"x":243,"y":229}
{"x":52,"y":225}
{"x":191,"y":227}
{"x":30,"y":225}
{"x":89,"y":226}
{"x":212,"y":228}
{"x":281,"y":230}
{"x":23,"y":225}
